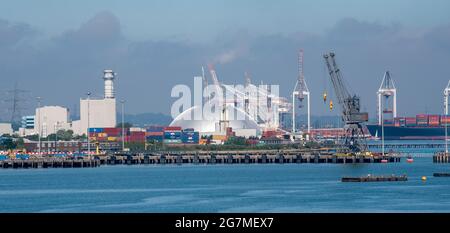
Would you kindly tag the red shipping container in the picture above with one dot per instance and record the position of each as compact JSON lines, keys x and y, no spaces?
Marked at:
{"x":172,"y":128}
{"x":137,"y":134}
{"x":410,"y":119}
{"x":154,"y":134}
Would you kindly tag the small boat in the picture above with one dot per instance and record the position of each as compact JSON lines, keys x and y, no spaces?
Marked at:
{"x":409,"y":159}
{"x":384,"y":161}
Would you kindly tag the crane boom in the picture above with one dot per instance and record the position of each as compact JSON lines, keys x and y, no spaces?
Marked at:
{"x":354,"y":139}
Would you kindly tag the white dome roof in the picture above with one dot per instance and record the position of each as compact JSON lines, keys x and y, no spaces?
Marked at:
{"x":210,"y":125}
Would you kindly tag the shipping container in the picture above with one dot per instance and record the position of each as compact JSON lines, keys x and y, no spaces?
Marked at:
{"x":112,"y":139}
{"x":410,"y":120}
{"x":22,"y":156}
{"x":3,"y":157}
{"x":113,"y":132}
{"x":172,"y":128}
{"x":172,"y":135}
{"x":445,"y":120}
{"x":154,"y":138}
{"x":172,"y":141}
{"x":102,"y":135}
{"x":388,"y":122}
{"x":154,"y":134}
{"x":101,"y":139}
{"x":137,"y":129}
{"x":190,"y":137}
{"x":96,"y":130}
{"x":434,"y":120}
{"x":220,"y":137}
{"x":269,"y":133}
{"x":422,"y":123}
{"x":137,"y":134}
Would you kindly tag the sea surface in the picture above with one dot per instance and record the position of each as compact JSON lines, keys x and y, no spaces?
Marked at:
{"x":227,"y":188}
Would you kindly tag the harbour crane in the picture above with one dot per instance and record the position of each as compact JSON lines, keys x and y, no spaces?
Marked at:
{"x":300,"y":91}
{"x":354,"y":140}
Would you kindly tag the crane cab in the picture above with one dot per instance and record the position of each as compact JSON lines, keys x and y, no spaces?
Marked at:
{"x":324,"y":97}
{"x":331,"y":104}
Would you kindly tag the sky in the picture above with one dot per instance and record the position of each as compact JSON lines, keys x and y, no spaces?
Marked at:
{"x":58,"y":49}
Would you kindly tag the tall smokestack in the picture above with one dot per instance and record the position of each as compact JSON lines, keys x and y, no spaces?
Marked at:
{"x":108,"y":76}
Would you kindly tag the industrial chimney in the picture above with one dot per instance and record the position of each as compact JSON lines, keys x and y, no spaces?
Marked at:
{"x":108,"y":76}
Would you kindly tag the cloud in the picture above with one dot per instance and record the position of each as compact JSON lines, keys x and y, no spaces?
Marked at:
{"x":12,"y":34}
{"x":63,"y":68}
{"x":102,"y":30}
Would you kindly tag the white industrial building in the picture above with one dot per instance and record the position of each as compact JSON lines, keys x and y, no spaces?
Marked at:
{"x":98,"y":113}
{"x":6,"y":128}
{"x":50,"y":119}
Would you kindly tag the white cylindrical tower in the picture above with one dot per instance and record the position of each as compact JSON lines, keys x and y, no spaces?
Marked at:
{"x":108,"y":77}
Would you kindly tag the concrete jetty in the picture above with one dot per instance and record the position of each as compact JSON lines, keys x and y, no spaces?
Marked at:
{"x":196,"y":157}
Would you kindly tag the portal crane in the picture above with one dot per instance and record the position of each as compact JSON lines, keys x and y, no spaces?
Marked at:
{"x":354,"y":140}
{"x":300,"y":91}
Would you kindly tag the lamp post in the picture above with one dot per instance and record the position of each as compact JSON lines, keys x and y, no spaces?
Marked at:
{"x":123,"y":126}
{"x":88,"y":113}
{"x":39,"y":124}
{"x":56,"y":136}
{"x":382,"y":129}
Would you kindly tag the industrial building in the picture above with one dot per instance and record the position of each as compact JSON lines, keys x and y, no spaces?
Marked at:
{"x":98,"y":113}
{"x":6,"y":128}
{"x":28,"y":122}
{"x":50,"y":119}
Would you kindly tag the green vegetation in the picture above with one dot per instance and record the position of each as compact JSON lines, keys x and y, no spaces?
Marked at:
{"x":135,"y":146}
{"x":61,"y":135}
{"x":238,"y":141}
{"x":8,"y":142}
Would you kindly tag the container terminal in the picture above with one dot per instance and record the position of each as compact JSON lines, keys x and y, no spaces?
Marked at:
{"x":98,"y":134}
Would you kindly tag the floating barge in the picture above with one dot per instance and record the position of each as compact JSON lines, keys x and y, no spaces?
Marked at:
{"x":441,"y":174}
{"x":370,"y":178}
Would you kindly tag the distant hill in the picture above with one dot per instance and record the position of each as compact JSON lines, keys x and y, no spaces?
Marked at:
{"x":144,"y":119}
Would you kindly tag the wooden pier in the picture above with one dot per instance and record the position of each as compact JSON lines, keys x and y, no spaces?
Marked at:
{"x":418,"y":145}
{"x":216,"y":157}
{"x":239,"y":159}
{"x":370,"y":178}
{"x":49,"y":163}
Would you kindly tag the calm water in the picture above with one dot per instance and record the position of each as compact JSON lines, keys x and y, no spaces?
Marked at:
{"x":225,"y":188}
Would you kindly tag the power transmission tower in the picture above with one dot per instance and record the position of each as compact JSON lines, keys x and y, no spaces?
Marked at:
{"x":16,"y":102}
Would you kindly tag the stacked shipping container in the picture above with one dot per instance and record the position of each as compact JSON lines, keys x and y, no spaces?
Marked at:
{"x":434,"y":120}
{"x":172,"y":135}
{"x":422,"y":120}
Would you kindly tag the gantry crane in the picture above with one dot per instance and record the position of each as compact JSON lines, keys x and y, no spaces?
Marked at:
{"x":300,"y":91}
{"x":354,"y":140}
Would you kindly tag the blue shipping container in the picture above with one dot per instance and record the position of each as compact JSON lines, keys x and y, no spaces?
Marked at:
{"x":22,"y":156}
{"x":190,"y":137}
{"x":172,"y":135}
{"x":155,"y":138}
{"x":3,"y":157}
{"x":95,"y":130}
